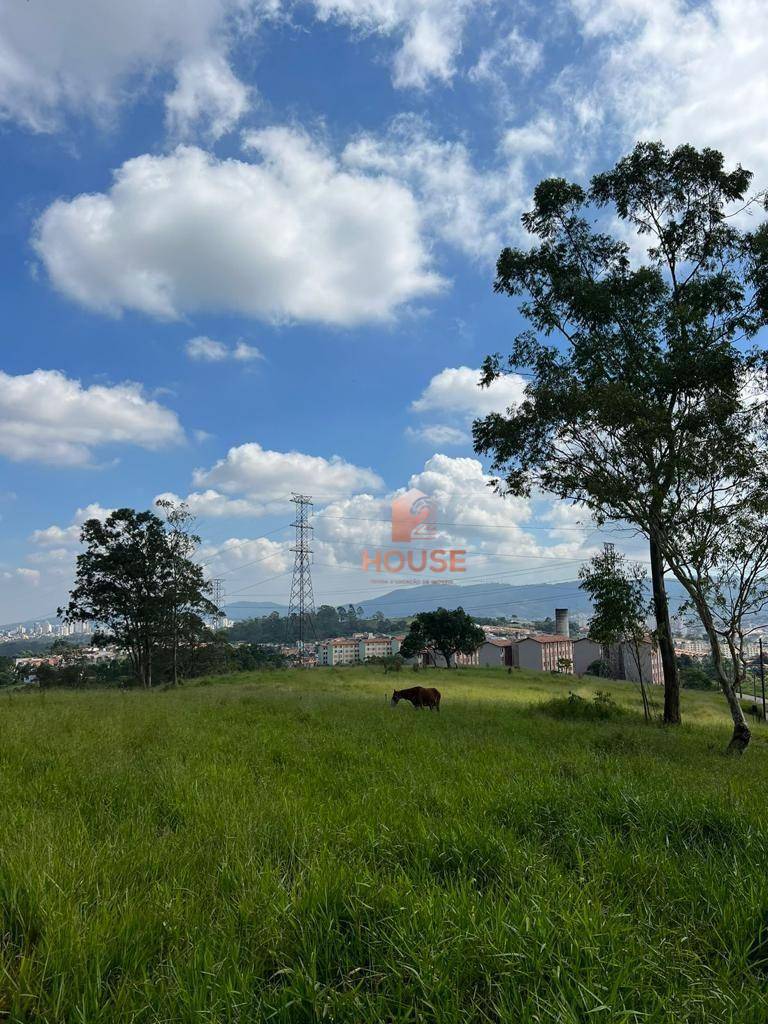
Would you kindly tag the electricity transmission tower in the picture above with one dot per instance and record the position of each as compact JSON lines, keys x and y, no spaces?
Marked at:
{"x":301,"y":607}
{"x":217,"y":596}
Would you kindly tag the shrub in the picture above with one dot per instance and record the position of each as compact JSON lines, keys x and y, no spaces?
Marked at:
{"x":601,"y":708}
{"x":695,"y":678}
{"x":596,"y":668}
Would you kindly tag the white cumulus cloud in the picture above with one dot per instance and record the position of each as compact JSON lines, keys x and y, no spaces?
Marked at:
{"x":21,"y":575}
{"x":187,"y":232}
{"x":430,"y":31}
{"x":75,"y":57}
{"x":472,"y":209}
{"x":455,"y":393}
{"x":236,"y":553}
{"x":211,"y":504}
{"x":438,"y":434}
{"x":243,"y":353}
{"x":251,"y":469}
{"x":684,"y":72}
{"x":58,"y":537}
{"x":510,"y":52}
{"x":498,"y":534}
{"x":48,"y":417}
{"x":457,"y":390}
{"x":207,"y":350}
{"x":208,"y":98}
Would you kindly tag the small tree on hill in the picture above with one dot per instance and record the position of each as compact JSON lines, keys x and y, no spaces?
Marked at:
{"x":445,"y":632}
{"x":720,"y":555}
{"x":134,"y":581}
{"x":617,"y":591}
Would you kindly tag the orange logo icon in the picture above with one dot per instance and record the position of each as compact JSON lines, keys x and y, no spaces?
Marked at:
{"x":414,"y":516}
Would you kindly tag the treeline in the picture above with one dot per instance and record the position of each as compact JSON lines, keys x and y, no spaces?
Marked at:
{"x":547,"y":625}
{"x":328,"y":622}
{"x":213,"y":656}
{"x":701,"y":674}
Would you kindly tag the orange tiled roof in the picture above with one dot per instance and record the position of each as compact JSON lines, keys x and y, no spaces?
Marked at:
{"x":548,"y":638}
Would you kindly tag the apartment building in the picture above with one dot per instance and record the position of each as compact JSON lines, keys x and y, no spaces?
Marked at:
{"x":621,"y":660}
{"x":354,"y":650}
{"x":692,"y":647}
{"x":623,"y":663}
{"x":585,"y":652}
{"x":496,"y":652}
{"x":545,"y":652}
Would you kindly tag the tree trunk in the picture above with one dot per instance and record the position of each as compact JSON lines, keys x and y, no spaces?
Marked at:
{"x":149,"y":665}
{"x":739,"y":668}
{"x":664,"y":637}
{"x":175,"y":678}
{"x":639,"y":663}
{"x":741,"y":734}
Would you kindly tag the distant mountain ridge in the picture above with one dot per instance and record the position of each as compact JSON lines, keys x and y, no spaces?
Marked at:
{"x":485,"y":600}
{"x":253,"y":609}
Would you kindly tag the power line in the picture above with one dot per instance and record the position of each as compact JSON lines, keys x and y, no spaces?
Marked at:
{"x":251,"y":586}
{"x":480,"y":576}
{"x":489,"y":526}
{"x":247,"y":565}
{"x":269,"y":533}
{"x":475,"y":556}
{"x":377,"y":590}
{"x":466,"y":579}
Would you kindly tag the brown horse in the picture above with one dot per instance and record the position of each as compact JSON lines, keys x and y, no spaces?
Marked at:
{"x":419,"y":696}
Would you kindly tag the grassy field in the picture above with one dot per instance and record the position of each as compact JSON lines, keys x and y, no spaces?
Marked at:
{"x":287,"y":848}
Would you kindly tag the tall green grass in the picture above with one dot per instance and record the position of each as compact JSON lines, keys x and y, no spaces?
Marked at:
{"x":291,"y":849}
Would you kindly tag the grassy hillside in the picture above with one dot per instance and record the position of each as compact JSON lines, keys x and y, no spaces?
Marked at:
{"x":291,"y":849}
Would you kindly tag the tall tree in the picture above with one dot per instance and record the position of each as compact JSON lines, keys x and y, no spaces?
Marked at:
{"x":642,"y":399}
{"x":620,"y":607}
{"x":447,"y":632}
{"x":128,"y":579}
{"x":185,"y":591}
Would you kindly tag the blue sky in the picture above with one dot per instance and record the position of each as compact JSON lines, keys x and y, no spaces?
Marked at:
{"x":248,"y":247}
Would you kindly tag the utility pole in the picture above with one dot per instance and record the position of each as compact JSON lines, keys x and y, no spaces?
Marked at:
{"x":301,"y":607}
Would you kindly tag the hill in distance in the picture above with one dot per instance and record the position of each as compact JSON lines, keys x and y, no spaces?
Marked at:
{"x":490,"y":600}
{"x":253,"y":609}
{"x":485,"y":600}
